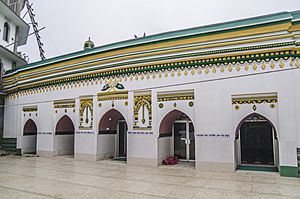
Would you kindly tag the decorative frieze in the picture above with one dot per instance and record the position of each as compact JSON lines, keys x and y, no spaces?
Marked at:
{"x":174,"y":96}
{"x":30,"y":109}
{"x":116,"y":95}
{"x":212,"y":65}
{"x":254,"y":100}
{"x":64,"y":104}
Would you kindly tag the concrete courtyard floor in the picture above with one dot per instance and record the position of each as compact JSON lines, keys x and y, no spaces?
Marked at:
{"x":62,"y":177}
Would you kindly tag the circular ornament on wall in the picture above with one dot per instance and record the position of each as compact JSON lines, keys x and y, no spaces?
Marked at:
{"x":272,"y":105}
{"x":236,"y":107}
{"x":254,"y":107}
{"x":100,"y":104}
{"x":174,"y":104}
{"x":66,"y":110}
{"x":126,"y":103}
{"x":191,"y":104}
{"x":161,"y":105}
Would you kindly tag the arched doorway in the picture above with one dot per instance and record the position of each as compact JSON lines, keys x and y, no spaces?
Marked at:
{"x":29,"y":139}
{"x":257,"y":143}
{"x":64,"y":137}
{"x":178,"y":129}
{"x":113,"y":130}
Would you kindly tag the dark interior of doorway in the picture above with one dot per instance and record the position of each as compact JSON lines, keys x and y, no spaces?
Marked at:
{"x":122,"y":141}
{"x":257,"y":144}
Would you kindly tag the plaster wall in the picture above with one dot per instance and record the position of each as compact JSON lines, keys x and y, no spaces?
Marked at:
{"x":296,"y":78}
{"x":27,"y":143}
{"x":106,"y":146}
{"x":212,"y":113}
{"x":63,"y":145}
{"x":164,"y":149}
{"x":12,"y":34}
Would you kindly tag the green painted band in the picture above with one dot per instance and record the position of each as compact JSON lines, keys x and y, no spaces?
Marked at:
{"x":289,"y":171}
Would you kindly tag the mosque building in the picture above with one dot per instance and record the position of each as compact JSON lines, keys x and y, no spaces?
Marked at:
{"x":222,"y":97}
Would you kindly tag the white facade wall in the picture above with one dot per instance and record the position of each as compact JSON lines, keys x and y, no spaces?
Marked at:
{"x":212,"y":113}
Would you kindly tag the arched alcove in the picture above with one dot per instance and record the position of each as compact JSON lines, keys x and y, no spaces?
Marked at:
{"x":176,"y":136}
{"x":64,"y":126}
{"x":112,"y":138}
{"x":29,"y":138}
{"x":256,"y":141}
{"x":30,"y":128}
{"x":64,"y":138}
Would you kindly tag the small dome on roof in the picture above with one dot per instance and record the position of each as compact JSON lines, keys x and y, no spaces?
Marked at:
{"x":89,"y":44}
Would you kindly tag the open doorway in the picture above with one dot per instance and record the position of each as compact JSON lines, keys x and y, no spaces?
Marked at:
{"x":176,"y":137}
{"x":112,"y":138}
{"x":256,"y":142}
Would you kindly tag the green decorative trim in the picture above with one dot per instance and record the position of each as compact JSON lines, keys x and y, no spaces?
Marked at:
{"x":228,"y":60}
{"x":255,"y":22}
{"x":186,"y":55}
{"x":257,"y":168}
{"x":289,"y":171}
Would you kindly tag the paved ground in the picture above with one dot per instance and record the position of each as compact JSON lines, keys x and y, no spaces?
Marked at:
{"x":36,"y":177}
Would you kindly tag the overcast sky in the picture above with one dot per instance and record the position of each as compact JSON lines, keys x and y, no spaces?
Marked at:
{"x":69,"y":23}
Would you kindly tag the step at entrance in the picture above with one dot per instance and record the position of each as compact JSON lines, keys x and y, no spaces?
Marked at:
{"x":9,"y":145}
{"x":257,"y":168}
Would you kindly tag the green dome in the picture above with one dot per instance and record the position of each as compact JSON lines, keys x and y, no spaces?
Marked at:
{"x":88,"y":44}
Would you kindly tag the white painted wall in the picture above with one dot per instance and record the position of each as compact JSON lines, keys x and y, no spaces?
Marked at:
{"x":63,"y":145}
{"x":106,"y":146}
{"x":27,"y":144}
{"x":212,"y":113}
{"x":45,"y":127}
{"x":164,"y":148}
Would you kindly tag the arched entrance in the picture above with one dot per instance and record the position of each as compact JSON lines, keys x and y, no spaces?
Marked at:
{"x":257,"y":142}
{"x":113,"y":130}
{"x":64,"y":137}
{"x":29,"y":139}
{"x":178,"y":128}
